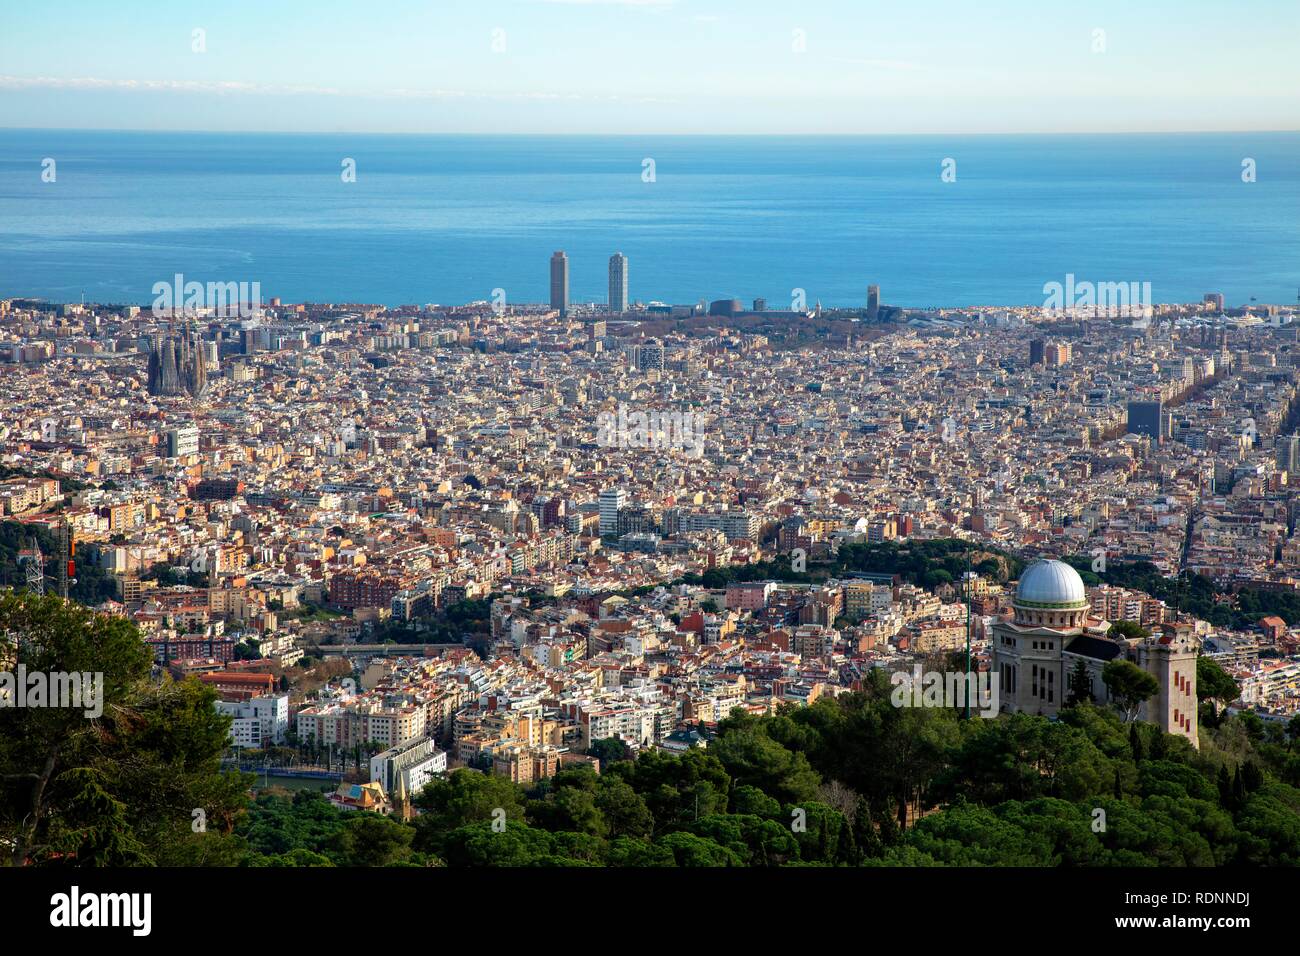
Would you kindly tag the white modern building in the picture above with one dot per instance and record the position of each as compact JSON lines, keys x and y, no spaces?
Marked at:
{"x":259,"y":721}
{"x":612,"y":501}
{"x":414,"y":762}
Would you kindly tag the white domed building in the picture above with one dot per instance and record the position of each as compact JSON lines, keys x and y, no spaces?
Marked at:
{"x":1035,"y":653}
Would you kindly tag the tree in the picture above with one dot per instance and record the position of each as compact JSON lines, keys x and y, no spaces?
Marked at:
{"x":1128,"y":630}
{"x":1214,"y":684}
{"x":569,"y":810}
{"x":691,"y":850}
{"x":1080,"y":686}
{"x":1129,"y":686}
{"x":625,"y":812}
{"x":752,"y":758}
{"x":369,"y":839}
{"x":463,"y":798}
{"x":609,"y":749}
{"x":47,"y":636}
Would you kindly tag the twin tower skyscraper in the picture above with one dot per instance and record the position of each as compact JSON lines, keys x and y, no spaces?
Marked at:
{"x":618,"y":297}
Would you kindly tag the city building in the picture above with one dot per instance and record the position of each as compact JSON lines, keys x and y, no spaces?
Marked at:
{"x":1146,"y":418}
{"x":1036,"y":654}
{"x":258,"y":721}
{"x":415,"y":762}
{"x":560,"y":283}
{"x":182,"y":441}
{"x":618,"y":283}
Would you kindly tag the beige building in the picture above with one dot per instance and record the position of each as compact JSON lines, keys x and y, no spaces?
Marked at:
{"x":1035,"y":654}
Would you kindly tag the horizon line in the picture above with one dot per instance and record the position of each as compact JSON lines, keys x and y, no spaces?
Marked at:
{"x":605,"y":135}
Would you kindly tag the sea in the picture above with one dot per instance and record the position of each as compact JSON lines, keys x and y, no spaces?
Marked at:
{"x":935,"y":221}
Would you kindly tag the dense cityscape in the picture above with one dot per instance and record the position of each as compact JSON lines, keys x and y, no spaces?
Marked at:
{"x":678,"y":459}
{"x":532,"y":543}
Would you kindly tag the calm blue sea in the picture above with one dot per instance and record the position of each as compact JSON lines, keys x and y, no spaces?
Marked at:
{"x":449,"y":218}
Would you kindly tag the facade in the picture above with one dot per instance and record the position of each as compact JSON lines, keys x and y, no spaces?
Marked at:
{"x":182,"y":441}
{"x":618,"y":282}
{"x":648,"y":355}
{"x":1288,"y":454}
{"x":612,"y":501}
{"x":1146,"y":418}
{"x":1035,"y":654}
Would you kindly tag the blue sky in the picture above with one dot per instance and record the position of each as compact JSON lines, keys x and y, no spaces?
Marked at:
{"x":652,"y":66}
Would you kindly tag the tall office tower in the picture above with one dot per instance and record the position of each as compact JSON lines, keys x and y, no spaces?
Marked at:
{"x":617,"y":282}
{"x":1146,"y":418}
{"x":760,"y":305}
{"x":1288,"y":454}
{"x":560,"y":282}
{"x":873,"y":302}
{"x":1214,"y":300}
{"x":1037,"y":351}
{"x":612,"y":501}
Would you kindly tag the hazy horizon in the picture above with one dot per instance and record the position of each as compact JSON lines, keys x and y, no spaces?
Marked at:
{"x":661,"y":67}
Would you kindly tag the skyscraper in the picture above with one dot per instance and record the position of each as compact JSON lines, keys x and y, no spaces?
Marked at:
{"x":873,"y":302}
{"x":560,"y":282}
{"x":617,"y":282}
{"x":1037,"y":351}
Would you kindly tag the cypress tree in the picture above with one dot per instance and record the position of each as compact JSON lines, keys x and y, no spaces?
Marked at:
{"x":1135,"y":743}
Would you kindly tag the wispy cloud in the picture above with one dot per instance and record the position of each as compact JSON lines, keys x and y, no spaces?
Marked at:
{"x":222,"y":87}
{"x":149,"y":86}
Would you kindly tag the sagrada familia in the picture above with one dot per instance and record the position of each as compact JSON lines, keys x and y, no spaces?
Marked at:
{"x":177,"y":367}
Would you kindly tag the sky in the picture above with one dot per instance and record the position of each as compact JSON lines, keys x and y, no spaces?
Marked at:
{"x":652,"y":66}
